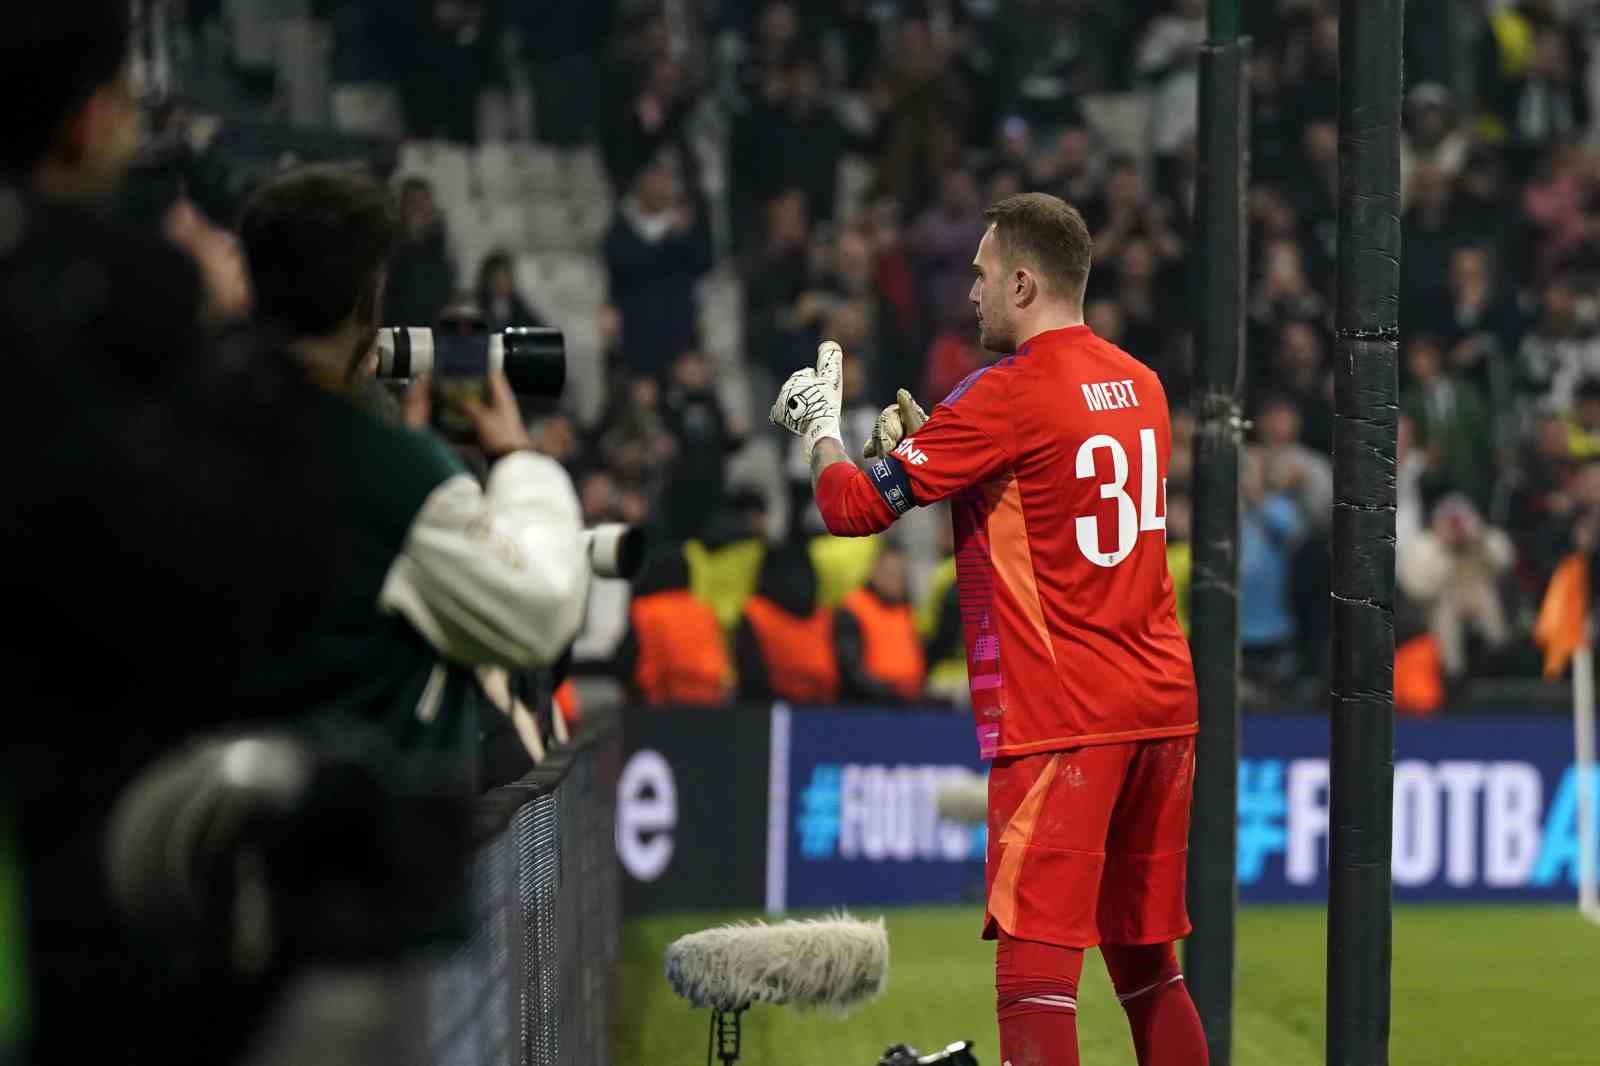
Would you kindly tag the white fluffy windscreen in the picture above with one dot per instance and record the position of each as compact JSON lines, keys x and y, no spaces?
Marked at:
{"x":964,"y":798}
{"x":834,"y":963}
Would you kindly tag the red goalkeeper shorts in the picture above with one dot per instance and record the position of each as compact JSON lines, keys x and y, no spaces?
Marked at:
{"x":1090,"y":845}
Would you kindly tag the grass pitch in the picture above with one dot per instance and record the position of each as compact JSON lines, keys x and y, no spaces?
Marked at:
{"x":1473,"y":986}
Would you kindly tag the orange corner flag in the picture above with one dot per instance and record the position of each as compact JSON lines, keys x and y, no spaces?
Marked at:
{"x":1559,"y":630}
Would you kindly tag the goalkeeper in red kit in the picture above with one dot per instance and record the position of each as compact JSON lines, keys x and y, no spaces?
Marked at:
{"x":1054,"y":459}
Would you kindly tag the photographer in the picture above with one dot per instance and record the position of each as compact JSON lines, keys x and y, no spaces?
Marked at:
{"x":436,"y":573}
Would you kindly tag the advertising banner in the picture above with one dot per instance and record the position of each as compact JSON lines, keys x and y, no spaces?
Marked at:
{"x":692,"y":808}
{"x":1485,"y":809}
{"x":855,"y":816}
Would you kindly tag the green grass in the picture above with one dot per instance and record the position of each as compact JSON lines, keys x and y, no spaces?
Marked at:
{"x":1473,"y":986}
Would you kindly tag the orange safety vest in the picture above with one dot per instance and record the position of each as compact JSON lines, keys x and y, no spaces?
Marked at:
{"x":798,"y":652}
{"x":567,"y":702}
{"x":893,"y":654}
{"x":1418,"y":676}
{"x":682,"y":657}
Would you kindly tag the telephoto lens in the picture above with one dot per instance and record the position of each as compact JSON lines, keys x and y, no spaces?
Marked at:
{"x":615,"y":550}
{"x":534,"y":359}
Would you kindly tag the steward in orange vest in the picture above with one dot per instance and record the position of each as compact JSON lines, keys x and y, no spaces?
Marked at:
{"x":675,"y":651}
{"x":875,"y":638}
{"x":784,"y":641}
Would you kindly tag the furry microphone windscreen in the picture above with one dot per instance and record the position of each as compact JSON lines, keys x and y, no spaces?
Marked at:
{"x":835,"y":963}
{"x":963,"y":798}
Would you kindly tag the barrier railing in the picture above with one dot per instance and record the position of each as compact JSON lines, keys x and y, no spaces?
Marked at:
{"x":534,"y":985}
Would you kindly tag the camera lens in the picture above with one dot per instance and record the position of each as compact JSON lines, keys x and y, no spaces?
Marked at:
{"x":536,"y":361}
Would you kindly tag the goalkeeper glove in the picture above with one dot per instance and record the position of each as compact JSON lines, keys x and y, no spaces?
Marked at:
{"x":808,"y":404}
{"x":899,"y":420}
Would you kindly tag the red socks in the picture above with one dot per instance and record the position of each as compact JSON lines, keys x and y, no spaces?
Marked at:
{"x":1037,"y":987}
{"x":1038,"y":1002}
{"x":1166,"y":1027}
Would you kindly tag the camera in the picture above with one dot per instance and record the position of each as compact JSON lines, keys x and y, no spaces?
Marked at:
{"x":247,"y":851}
{"x":615,"y":550}
{"x":534,"y":359}
{"x":957,"y":1054}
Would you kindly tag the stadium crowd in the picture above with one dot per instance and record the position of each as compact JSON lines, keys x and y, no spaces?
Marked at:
{"x":826,"y":165}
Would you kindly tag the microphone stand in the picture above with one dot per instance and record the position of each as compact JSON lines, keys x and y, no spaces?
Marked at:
{"x":725,"y":1034}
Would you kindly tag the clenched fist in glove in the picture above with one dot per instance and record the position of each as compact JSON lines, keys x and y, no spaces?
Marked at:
{"x":897,"y":421}
{"x":808,"y":404}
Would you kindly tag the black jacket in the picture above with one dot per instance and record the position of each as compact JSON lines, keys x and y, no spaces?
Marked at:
{"x":162,"y":522}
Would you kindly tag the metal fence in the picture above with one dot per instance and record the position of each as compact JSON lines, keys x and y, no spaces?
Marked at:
{"x":535,"y":985}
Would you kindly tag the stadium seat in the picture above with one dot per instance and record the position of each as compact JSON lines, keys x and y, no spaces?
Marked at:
{"x":368,"y":107}
{"x":504,"y":173}
{"x":446,"y":168}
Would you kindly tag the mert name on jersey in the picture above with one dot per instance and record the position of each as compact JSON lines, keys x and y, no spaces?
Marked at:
{"x":1109,"y":395}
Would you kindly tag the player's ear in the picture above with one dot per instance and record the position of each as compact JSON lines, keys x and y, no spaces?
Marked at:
{"x":1024,"y":288}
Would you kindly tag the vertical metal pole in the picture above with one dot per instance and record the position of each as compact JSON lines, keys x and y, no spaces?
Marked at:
{"x":1219,"y":344}
{"x":1365,"y":402}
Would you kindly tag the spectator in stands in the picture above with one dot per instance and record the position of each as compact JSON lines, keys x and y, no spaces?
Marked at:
{"x":704,"y":436}
{"x":1483,"y":327}
{"x":1077,"y":173}
{"x":1270,"y":526}
{"x":421,"y":279}
{"x":1432,"y":234}
{"x":1452,"y":570}
{"x":1560,"y":351}
{"x":1314,"y":189}
{"x":498,"y":297}
{"x":1284,"y":291}
{"x":658,"y":247}
{"x":1411,"y":471}
{"x":852,"y":277}
{"x":675,"y":652}
{"x":1583,"y":422}
{"x":449,"y":56}
{"x":1104,"y":317}
{"x":1299,"y":371}
{"x":1431,"y":137}
{"x":875,"y":637}
{"x":1531,"y":69}
{"x":955,"y":354}
{"x":784,"y":641}
{"x":1126,"y":211}
{"x":1180,"y":552}
{"x":1148,"y":318}
{"x":1559,"y":202}
{"x":1481,"y":195}
{"x":777,"y":273}
{"x":1452,"y":421}
{"x":1168,"y":58}
{"x":791,"y":138}
{"x":1544,"y":498}
{"x":644,"y":115}
{"x":1290,"y":466}
{"x":941,"y":243}
{"x":597,"y":497}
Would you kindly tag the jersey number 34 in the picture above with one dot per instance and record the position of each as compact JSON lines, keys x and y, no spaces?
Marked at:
{"x":1132,"y":518}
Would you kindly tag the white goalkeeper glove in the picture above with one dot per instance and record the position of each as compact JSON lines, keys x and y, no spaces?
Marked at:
{"x":899,"y":420}
{"x":808,"y":404}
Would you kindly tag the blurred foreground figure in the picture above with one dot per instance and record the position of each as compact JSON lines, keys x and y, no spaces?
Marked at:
{"x":161,"y":524}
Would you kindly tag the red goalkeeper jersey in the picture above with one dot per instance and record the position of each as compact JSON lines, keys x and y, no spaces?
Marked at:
{"x":1055,"y":463}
